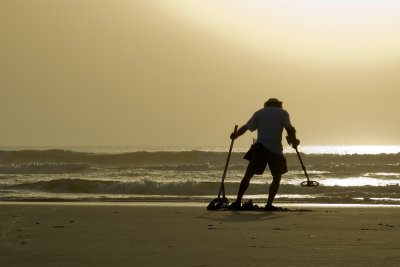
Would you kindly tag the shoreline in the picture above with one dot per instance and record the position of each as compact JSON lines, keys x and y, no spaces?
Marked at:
{"x":190,"y":204}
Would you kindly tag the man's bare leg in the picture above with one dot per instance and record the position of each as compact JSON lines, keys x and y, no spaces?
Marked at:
{"x":244,"y":184}
{"x":273,"y":189}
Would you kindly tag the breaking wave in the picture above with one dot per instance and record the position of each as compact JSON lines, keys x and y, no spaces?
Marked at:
{"x":189,"y":189}
{"x":181,"y":188}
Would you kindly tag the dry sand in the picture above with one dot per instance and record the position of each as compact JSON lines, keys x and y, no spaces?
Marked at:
{"x":56,"y":234}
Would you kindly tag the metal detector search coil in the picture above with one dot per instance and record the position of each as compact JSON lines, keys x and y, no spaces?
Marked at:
{"x":309,"y":183}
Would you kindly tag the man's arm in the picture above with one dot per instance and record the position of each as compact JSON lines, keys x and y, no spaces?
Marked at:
{"x":239,"y":132}
{"x":291,"y":138}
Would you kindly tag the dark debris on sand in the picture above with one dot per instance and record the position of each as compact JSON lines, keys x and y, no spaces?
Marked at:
{"x":279,"y":209}
{"x":249,"y":206}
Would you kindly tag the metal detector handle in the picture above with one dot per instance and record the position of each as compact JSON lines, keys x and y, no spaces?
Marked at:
{"x":222,"y":188}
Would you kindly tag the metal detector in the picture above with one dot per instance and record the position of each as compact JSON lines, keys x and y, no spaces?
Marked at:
{"x":308,"y":183}
{"x":222,"y":202}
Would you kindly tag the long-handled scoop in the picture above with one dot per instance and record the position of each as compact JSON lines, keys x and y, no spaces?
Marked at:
{"x":222,"y":202}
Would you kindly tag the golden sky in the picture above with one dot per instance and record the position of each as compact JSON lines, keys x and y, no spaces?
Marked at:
{"x":183,"y":73}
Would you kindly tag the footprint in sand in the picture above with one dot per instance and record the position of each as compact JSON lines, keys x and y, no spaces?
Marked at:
{"x":210,"y":227}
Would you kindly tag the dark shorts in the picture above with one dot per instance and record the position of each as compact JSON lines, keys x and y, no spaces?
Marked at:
{"x":259,"y":157}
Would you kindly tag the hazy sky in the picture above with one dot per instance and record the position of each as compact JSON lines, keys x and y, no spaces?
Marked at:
{"x":183,"y":73}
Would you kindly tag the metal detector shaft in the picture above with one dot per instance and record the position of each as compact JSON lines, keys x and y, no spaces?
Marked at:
{"x":302,"y":164}
{"x":222,"y":188}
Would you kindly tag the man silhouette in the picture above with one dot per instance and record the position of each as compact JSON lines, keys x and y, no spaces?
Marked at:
{"x":269,"y":123}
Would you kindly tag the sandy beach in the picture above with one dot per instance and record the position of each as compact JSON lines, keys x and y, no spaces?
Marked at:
{"x":107,"y":234}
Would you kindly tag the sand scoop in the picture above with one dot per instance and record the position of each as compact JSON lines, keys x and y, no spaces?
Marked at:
{"x":222,"y":202}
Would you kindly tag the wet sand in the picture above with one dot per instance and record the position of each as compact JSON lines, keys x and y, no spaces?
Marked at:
{"x":79,"y":234}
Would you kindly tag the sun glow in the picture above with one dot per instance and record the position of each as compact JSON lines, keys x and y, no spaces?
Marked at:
{"x":330,"y":31}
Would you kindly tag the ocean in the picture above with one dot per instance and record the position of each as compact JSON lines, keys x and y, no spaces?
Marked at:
{"x":346,"y":174}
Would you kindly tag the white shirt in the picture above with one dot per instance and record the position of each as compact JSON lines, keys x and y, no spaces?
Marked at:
{"x":269,"y":123}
